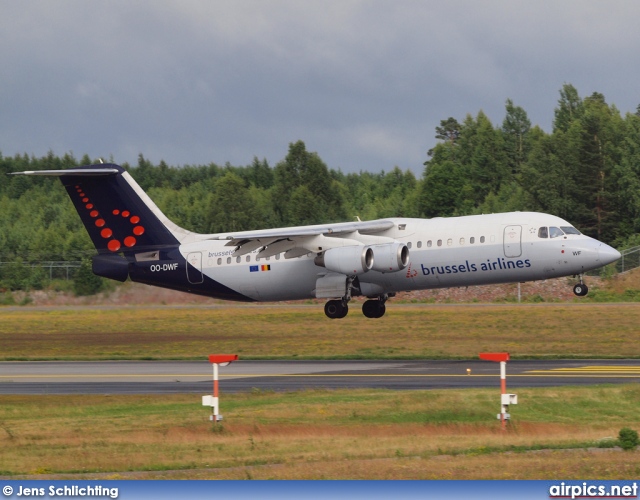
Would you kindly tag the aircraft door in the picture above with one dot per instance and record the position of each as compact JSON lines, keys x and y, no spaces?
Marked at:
{"x":194,"y":268}
{"x":513,"y":241}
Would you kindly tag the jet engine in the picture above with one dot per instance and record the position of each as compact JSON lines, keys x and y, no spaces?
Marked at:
{"x":390,"y":258}
{"x":350,"y":260}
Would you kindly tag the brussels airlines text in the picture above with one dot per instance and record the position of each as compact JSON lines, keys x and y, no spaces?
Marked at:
{"x":466,"y":267}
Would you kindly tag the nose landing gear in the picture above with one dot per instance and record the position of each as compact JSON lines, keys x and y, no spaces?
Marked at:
{"x":581,"y":289}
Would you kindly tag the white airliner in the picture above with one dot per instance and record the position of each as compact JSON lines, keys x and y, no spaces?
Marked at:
{"x":376,"y":259}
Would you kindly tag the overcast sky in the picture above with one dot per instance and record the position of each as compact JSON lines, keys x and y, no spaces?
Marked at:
{"x":363,"y":83}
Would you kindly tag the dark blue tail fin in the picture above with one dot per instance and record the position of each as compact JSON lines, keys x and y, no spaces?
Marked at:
{"x":116,"y":212}
{"x":111,"y":208}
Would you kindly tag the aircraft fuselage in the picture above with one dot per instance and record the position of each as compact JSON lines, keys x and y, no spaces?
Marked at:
{"x":444,"y":252}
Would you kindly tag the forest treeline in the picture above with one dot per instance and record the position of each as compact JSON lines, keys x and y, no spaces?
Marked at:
{"x":587,"y":170}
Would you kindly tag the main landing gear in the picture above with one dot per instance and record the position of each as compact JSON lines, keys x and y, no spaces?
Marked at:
{"x":336,"y":309}
{"x":581,"y":289}
{"x":372,"y":308}
{"x":339,"y":308}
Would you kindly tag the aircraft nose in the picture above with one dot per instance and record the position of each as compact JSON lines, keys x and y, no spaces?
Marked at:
{"x":608,"y":254}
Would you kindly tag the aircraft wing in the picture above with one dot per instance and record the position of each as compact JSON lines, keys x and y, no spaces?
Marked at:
{"x":297,"y":241}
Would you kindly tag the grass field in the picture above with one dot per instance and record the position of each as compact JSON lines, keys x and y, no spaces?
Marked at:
{"x":561,"y":433}
{"x":303,"y":332}
{"x":556,"y":433}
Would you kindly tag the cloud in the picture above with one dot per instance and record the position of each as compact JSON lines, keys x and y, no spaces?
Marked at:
{"x":364,"y":83}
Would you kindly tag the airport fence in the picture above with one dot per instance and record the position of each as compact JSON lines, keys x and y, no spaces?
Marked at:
{"x":57,"y":269}
{"x":630,"y":259}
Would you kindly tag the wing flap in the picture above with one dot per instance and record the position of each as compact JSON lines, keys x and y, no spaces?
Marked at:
{"x":299,"y":241}
{"x":248,"y":246}
{"x":278,"y":247}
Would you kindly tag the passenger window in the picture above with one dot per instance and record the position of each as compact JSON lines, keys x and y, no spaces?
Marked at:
{"x":219,"y":261}
{"x":419,"y":244}
{"x":555,"y":232}
{"x":238,"y":259}
{"x":543,"y":232}
{"x":449,"y":242}
{"x":429,"y":244}
{"x":409,"y":245}
{"x":462,"y":241}
{"x":228,"y":260}
{"x":481,"y":239}
{"x":248,"y":259}
{"x":439,"y":243}
{"x":278,"y":256}
{"x":472,"y":240}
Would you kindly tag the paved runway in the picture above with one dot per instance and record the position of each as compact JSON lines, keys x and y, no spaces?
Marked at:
{"x":157,"y":377}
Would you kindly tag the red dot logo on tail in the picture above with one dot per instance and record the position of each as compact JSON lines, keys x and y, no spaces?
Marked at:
{"x":107,"y":233}
{"x":113,"y":245}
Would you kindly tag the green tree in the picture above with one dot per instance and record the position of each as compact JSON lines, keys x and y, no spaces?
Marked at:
{"x":569,"y":108}
{"x":231,"y":207}
{"x":299,"y":169}
{"x":15,"y":275}
{"x":482,"y":158}
{"x":303,"y":207}
{"x":599,"y":152}
{"x":449,"y":130}
{"x":552,"y":176}
{"x":515,"y":130}
{"x":626,"y":179}
{"x":441,"y":188}
{"x":260,"y":175}
{"x":85,"y":282}
{"x":144,"y":173}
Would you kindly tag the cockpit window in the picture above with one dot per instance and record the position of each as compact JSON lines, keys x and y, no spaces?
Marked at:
{"x":555,"y":232}
{"x":570,"y":230}
{"x":543,"y":232}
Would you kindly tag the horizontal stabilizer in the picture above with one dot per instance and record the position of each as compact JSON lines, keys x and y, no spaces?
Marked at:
{"x":72,"y":172}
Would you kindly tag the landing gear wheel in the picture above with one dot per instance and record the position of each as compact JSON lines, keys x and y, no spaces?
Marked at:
{"x":581,"y":289}
{"x":345,"y":310}
{"x":336,"y":309}
{"x":373,"y":308}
